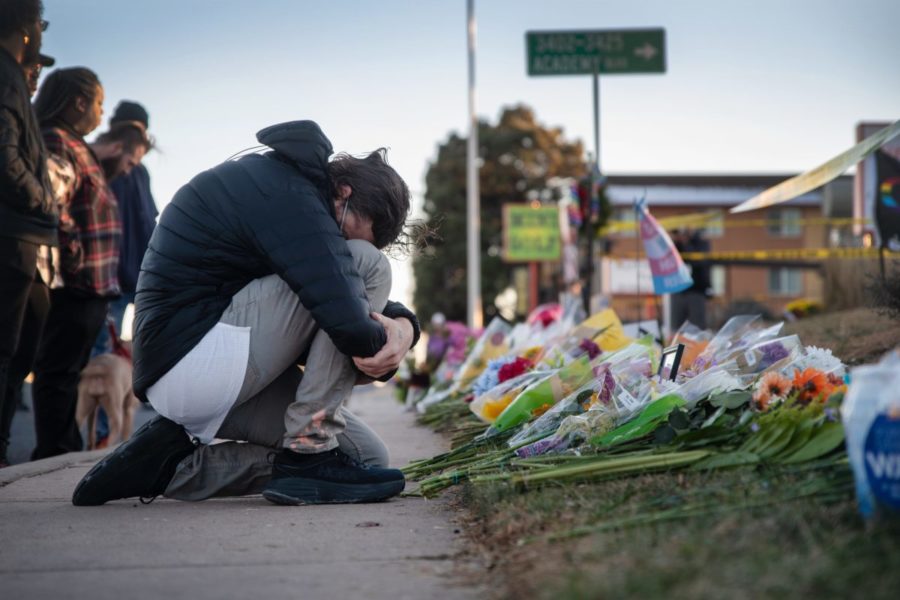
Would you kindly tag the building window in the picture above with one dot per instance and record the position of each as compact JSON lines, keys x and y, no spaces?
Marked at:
{"x":785,"y":282}
{"x":717,"y":278}
{"x":784,"y":222}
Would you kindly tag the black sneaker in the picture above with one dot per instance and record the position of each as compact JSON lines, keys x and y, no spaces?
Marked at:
{"x":329,"y":477}
{"x":142,"y":466}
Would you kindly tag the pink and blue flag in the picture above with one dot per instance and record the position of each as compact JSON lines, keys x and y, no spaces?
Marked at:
{"x":670,"y":274}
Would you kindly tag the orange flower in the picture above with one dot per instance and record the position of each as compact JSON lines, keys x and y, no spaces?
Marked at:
{"x":492,"y":409}
{"x":541,"y":409}
{"x":772,"y":386}
{"x":810,"y":385}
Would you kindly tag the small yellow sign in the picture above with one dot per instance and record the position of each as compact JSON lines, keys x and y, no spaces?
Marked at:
{"x":531,"y":233}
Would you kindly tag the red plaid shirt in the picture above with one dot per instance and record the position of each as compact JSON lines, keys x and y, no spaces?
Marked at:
{"x":90,"y":229}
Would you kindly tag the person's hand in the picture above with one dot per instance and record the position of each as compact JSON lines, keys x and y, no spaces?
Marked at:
{"x":399,"y":339}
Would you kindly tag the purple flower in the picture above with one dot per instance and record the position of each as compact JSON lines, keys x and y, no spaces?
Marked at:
{"x":539,"y":447}
{"x":592,"y":349}
{"x":606,"y":390}
{"x":754,"y":427}
{"x":771,"y":354}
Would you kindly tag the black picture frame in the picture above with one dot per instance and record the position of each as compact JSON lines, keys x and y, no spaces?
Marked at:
{"x":669,"y":362}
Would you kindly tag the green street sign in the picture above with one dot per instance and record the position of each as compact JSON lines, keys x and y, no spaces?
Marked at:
{"x":602,"y":51}
{"x":530,"y":233}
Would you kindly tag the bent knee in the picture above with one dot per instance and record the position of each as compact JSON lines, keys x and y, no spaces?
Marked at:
{"x":373,"y":266}
{"x":367,"y":256}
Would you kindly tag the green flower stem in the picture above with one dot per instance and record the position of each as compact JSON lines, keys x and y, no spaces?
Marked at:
{"x":604,"y":466}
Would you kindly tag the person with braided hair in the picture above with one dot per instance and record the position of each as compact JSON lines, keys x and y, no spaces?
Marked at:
{"x":69,"y":106}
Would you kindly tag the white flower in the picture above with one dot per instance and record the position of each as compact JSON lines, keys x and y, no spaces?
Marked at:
{"x":821,"y":359}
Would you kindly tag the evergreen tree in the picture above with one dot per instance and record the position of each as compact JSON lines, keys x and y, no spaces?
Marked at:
{"x":518,"y":155}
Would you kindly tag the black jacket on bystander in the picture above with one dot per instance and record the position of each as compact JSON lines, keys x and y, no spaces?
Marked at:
{"x":27,"y":209}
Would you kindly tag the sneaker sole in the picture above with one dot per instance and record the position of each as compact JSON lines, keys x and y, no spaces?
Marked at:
{"x":314,"y":491}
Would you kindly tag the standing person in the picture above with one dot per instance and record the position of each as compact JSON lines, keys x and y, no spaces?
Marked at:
{"x":32,"y":75}
{"x":28,"y":216}
{"x":137,"y":212}
{"x":69,"y":106}
{"x":258,"y":265}
{"x":690,"y":304}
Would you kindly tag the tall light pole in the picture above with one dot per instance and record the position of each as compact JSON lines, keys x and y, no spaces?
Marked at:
{"x":473,"y":203}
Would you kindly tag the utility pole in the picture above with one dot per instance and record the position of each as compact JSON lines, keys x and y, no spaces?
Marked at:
{"x":589,"y":224}
{"x":473,"y":201}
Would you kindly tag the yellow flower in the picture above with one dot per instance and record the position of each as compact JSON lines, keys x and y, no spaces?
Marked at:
{"x":492,"y":409}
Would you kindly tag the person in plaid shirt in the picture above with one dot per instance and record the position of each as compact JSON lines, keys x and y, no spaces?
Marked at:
{"x":69,"y":106}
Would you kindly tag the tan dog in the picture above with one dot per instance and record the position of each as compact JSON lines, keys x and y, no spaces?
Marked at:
{"x":106,"y":382}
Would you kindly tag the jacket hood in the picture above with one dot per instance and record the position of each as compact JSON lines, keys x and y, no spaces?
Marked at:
{"x":300,"y":141}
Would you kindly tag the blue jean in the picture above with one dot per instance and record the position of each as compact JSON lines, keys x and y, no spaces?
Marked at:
{"x":117,"y":312}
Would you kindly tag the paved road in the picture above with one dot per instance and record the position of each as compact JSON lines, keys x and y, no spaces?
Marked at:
{"x":228,"y":548}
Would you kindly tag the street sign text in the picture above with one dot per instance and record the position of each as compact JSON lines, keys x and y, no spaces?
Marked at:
{"x":605,"y":52}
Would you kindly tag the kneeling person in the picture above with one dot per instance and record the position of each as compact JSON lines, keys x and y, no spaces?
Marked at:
{"x":257,"y":266}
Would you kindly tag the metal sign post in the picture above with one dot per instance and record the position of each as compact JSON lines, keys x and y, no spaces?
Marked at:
{"x":595,"y":53}
{"x":473,"y":200}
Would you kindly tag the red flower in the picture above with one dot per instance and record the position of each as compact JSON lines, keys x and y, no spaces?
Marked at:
{"x":514,"y":369}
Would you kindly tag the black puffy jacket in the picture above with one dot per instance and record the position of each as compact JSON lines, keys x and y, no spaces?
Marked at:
{"x":27,"y":209}
{"x":239,"y":221}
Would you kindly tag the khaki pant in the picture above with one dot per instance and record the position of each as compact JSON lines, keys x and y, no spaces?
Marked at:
{"x":280,"y":406}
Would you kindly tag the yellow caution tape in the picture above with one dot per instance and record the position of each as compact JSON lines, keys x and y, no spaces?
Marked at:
{"x":715,"y":218}
{"x":792,"y":254}
{"x":819,"y":176}
{"x":788,"y":254}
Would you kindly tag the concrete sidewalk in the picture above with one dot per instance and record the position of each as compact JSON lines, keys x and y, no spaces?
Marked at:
{"x":228,"y":548}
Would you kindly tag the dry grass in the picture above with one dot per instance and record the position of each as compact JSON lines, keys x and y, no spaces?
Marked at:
{"x":856,"y":336}
{"x":798,"y":549}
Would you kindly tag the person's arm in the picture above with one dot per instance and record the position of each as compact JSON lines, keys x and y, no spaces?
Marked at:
{"x":25,"y":190}
{"x":396,"y":310}
{"x":402,"y":328}
{"x":303,"y":245}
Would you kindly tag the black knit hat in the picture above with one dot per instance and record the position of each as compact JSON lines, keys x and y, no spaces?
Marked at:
{"x":130,"y":111}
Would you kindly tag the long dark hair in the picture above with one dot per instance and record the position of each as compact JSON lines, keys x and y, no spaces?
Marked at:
{"x":60,"y":89}
{"x":379,"y":193}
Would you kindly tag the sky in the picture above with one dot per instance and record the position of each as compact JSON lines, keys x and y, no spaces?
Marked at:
{"x":761,"y":86}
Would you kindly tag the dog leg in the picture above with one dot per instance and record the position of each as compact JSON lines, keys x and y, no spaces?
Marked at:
{"x":113,"y":417}
{"x":83,"y":409}
{"x":92,"y":426}
{"x":128,"y":408}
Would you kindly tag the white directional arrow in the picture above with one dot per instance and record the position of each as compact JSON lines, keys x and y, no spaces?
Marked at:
{"x":646,"y":51}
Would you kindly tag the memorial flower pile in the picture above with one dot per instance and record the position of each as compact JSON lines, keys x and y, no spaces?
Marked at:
{"x":562,"y":401}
